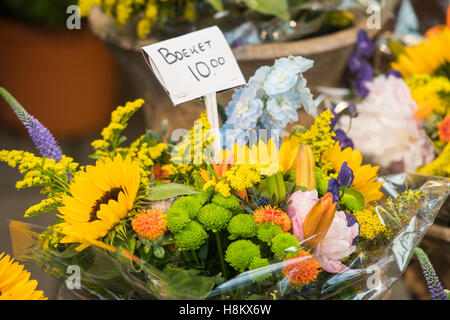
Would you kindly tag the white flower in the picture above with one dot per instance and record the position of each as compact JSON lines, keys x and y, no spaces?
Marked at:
{"x":386,"y":129}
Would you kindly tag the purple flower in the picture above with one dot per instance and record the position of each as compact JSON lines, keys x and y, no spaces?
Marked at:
{"x":354,"y":62}
{"x":333,"y":188}
{"x":365,"y":74}
{"x":364,"y":46}
{"x":334,"y":119}
{"x":237,"y":43}
{"x":394,"y":73}
{"x":351,"y":221}
{"x":345,"y":176}
{"x":343,"y":139}
{"x":41,"y":137}
{"x":434,"y":285}
{"x":351,"y":109}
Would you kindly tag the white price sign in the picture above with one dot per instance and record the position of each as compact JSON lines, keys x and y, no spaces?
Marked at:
{"x":194,"y":65}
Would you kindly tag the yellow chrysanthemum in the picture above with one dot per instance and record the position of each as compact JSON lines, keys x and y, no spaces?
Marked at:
{"x":426,"y":57}
{"x":100,"y":197}
{"x":364,"y":175}
{"x":15,"y":283}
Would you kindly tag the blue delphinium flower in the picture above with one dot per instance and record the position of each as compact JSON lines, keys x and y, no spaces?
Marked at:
{"x":358,"y":62}
{"x":333,"y":188}
{"x":345,"y":176}
{"x":271,"y":98}
{"x":434,"y":285}
{"x":40,"y":135}
{"x":281,"y":110}
{"x":365,"y":74}
{"x":343,"y":139}
{"x":245,"y":109}
{"x":364,"y":46}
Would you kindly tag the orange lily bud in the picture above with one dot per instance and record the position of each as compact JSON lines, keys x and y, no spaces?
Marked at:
{"x":319,"y":219}
{"x":304,"y":168}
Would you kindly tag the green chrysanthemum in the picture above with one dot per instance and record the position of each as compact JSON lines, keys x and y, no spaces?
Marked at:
{"x":351,"y":202}
{"x":240,"y":254}
{"x":177,"y":219}
{"x":214,"y":217}
{"x":203,"y":197}
{"x":190,"y":205}
{"x":266,"y":231}
{"x":284,"y":245}
{"x":231,"y":203}
{"x":242,"y":225}
{"x":191,"y":237}
{"x":259,"y":263}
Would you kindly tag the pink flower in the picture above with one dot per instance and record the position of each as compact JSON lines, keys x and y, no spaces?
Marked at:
{"x":338,"y":243}
{"x":386,"y":129}
{"x":339,"y":240}
{"x":302,"y":202}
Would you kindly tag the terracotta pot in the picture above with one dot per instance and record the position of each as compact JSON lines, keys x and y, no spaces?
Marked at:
{"x":65,"y":78}
{"x":330,"y":53}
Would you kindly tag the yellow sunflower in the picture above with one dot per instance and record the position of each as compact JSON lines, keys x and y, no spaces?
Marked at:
{"x":426,"y":57}
{"x":100,"y":197}
{"x":15,"y":283}
{"x":364,"y":176}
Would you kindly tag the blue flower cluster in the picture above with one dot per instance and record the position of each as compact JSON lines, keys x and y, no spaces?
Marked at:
{"x":271,"y":98}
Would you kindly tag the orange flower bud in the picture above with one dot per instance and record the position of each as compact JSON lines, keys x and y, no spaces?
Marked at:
{"x":319,"y":219}
{"x":304,"y":168}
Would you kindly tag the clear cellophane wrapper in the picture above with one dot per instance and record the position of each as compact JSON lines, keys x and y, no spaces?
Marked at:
{"x":369,"y":274}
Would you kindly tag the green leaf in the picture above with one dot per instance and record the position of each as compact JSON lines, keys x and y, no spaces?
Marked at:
{"x":216,"y":4}
{"x":278,"y":8}
{"x":187,"y":284}
{"x":169,"y":190}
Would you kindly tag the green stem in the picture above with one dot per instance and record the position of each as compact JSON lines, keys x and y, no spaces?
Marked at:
{"x":194,"y":255}
{"x":222,"y":261}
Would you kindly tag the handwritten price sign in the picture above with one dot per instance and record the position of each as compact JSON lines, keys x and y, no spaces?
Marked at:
{"x":194,"y":65}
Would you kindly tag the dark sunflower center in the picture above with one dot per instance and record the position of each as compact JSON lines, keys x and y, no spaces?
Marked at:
{"x":111,"y":194}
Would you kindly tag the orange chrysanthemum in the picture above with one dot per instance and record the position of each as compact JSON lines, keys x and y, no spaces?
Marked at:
{"x":301,"y":269}
{"x":444,"y":129}
{"x":273,"y":215}
{"x":150,"y":224}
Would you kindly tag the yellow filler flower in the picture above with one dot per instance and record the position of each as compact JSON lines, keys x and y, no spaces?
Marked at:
{"x":100,"y":198}
{"x":15,"y":283}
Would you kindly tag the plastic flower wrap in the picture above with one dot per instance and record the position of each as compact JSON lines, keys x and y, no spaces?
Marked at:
{"x":302,"y":219}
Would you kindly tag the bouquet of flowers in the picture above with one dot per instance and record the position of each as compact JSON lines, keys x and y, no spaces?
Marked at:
{"x":426,"y":69}
{"x":295,"y":216}
{"x":252,"y":21}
